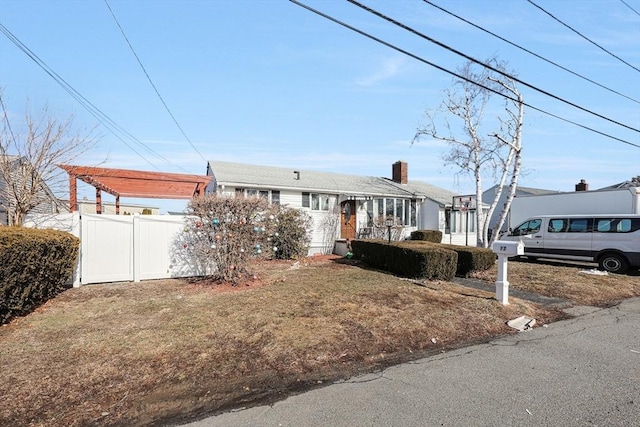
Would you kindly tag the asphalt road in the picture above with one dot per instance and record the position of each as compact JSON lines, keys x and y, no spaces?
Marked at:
{"x":579,"y":372}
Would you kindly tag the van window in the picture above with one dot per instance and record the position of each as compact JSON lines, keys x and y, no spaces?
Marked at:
{"x":617,"y":225}
{"x":557,"y":225}
{"x":579,"y":225}
{"x":527,"y":227}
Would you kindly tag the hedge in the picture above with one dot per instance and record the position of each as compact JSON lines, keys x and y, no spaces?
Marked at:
{"x":470,"y":258}
{"x":434,"y":236}
{"x":35,"y":266}
{"x":417,"y":261}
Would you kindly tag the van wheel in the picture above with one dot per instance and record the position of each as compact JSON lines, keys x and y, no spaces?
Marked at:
{"x":614,"y":263}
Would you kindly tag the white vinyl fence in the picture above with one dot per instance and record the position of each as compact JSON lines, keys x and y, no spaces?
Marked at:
{"x":124,"y":247}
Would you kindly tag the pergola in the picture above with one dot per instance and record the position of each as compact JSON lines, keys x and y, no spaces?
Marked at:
{"x":132,"y":183}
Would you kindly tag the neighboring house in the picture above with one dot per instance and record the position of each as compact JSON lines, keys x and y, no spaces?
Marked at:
{"x":633,"y":182}
{"x":48,"y":203}
{"x":348,"y":206}
{"x":490,"y":194}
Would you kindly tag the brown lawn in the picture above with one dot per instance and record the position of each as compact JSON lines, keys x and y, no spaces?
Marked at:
{"x":166,"y":351}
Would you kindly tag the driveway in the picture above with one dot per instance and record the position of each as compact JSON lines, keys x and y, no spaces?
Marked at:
{"x":577,"y":372}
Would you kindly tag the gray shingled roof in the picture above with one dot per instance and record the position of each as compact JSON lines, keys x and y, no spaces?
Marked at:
{"x":245,"y":175}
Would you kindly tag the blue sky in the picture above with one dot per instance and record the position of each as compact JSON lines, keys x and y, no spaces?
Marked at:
{"x":268,"y":82}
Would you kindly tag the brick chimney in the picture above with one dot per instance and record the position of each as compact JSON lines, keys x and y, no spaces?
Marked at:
{"x":400,"y":172}
{"x":582,"y":186}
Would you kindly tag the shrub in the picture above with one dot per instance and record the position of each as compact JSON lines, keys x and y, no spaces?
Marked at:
{"x":434,"y":236}
{"x":35,"y":266}
{"x":414,"y":261}
{"x":222,"y":233}
{"x":291,"y":235}
{"x":469,"y":258}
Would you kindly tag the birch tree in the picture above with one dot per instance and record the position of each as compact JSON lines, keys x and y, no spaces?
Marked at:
{"x":30,"y":149}
{"x":478,"y":146}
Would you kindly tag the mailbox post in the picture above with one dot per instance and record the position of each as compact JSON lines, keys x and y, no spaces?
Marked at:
{"x":504,"y":249}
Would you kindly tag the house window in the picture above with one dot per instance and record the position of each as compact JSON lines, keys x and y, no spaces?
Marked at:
{"x":413,"y":220}
{"x":272,"y":196}
{"x":388,"y":204}
{"x":317,"y":202}
{"x":403,"y":211}
{"x":369,"y":213}
{"x":400,"y":211}
{"x":447,"y":221}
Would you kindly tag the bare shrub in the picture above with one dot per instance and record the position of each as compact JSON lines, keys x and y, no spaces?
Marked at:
{"x":223,"y":233}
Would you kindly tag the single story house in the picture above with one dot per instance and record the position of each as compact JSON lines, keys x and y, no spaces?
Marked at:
{"x":349,"y":206}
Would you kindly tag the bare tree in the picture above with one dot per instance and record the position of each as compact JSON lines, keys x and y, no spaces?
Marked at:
{"x":475,"y":150}
{"x":29,"y":153}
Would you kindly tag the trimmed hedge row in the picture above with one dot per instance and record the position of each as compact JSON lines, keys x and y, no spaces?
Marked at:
{"x":35,"y":266}
{"x":470,"y":258}
{"x":417,"y":261}
{"x":423,"y":259}
{"x":434,"y":236}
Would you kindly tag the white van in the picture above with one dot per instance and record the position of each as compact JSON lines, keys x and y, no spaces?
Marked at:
{"x":613,"y":241}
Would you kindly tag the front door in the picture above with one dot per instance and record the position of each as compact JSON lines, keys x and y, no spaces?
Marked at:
{"x":348,"y":220}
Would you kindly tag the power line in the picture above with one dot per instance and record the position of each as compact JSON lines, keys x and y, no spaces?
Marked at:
{"x":625,"y":3}
{"x":583,"y":36}
{"x":7,"y":122}
{"x":418,"y":58}
{"x":106,"y":121}
{"x":530,"y":52}
{"x":151,"y":82}
{"x":496,"y":70}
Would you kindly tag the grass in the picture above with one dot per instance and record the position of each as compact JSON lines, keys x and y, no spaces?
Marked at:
{"x":164,"y":351}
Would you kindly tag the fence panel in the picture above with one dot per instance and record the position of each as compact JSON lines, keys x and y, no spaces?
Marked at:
{"x":155,"y":243}
{"x":117,"y":248}
{"x":106,"y":248}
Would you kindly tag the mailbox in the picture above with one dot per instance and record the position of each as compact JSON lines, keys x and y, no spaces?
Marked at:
{"x":508,"y":248}
{"x":505,"y":249}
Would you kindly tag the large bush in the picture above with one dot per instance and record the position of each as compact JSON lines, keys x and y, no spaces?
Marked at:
{"x":291,"y":235}
{"x":223,"y":233}
{"x":35,"y":266}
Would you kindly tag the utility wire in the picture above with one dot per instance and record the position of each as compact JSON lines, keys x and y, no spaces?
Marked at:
{"x":7,"y":122}
{"x":584,"y":37}
{"x":495,"y":70}
{"x":530,"y":52}
{"x":625,"y":3}
{"x":111,"y":125}
{"x":151,"y":81}
{"x":418,"y":58}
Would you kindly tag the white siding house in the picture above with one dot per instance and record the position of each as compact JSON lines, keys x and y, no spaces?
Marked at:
{"x":47,"y":203}
{"x":347,"y":206}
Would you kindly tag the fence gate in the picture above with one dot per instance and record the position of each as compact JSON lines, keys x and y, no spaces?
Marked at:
{"x":106,"y":252}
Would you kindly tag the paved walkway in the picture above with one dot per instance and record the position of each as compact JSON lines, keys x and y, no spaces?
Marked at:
{"x":579,"y":372}
{"x":537,"y":298}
